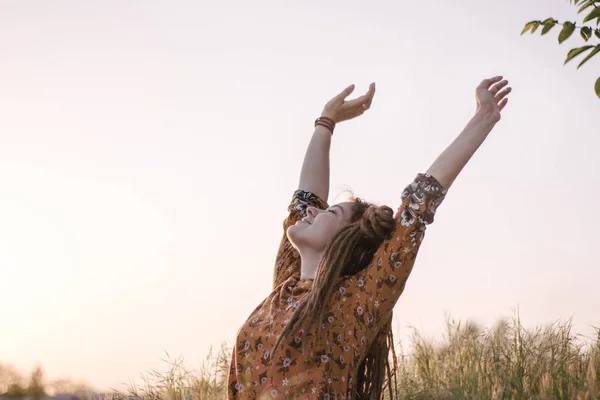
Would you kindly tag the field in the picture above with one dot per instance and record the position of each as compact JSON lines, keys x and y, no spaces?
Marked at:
{"x":506,"y":361}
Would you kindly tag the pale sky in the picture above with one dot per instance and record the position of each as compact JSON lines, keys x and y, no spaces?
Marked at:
{"x":148,"y":151}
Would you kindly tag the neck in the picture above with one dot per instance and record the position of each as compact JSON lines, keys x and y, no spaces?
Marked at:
{"x":310,"y":263}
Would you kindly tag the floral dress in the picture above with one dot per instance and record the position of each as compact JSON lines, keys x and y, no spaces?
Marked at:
{"x":326,"y":365}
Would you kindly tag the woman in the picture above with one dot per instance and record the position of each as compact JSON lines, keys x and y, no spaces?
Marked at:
{"x":324,"y":331}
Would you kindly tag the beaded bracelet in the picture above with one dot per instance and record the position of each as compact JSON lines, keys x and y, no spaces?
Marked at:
{"x":326,"y":122}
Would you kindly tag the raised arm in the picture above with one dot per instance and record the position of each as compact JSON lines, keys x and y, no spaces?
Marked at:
{"x":491,"y":99}
{"x":314,"y":176}
{"x":383,"y":281}
{"x":313,"y":188}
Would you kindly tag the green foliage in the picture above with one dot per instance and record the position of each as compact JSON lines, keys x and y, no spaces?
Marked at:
{"x":567,"y":31}
{"x":594,"y":14}
{"x":586,"y":33}
{"x":592,"y":54}
{"x":592,"y":8}
{"x":575,"y":52}
{"x":548,"y":24}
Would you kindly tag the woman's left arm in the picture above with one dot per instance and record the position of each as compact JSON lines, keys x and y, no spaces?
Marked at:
{"x":383,"y":281}
{"x":491,"y":99}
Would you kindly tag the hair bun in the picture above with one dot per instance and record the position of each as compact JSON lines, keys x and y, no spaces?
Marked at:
{"x":378,"y":222}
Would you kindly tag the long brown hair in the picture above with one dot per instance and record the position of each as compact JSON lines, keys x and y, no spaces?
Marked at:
{"x":349,"y":252}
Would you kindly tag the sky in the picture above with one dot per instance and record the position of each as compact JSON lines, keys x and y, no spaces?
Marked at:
{"x":149,"y":149}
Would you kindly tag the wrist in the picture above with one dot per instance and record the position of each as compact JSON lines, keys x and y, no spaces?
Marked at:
{"x":325,"y":122}
{"x":487,"y":115}
{"x":330,"y":115}
{"x":321,"y":130}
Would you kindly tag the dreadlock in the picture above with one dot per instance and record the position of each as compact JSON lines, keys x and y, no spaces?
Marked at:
{"x":349,"y":252}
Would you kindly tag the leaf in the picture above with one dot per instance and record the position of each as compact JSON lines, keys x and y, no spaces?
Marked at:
{"x":528,"y":26}
{"x":592,"y":54}
{"x":575,"y":52}
{"x":594,"y":14}
{"x":597,"y":33}
{"x":548,"y":26}
{"x":597,"y":88}
{"x":586,"y":33}
{"x":567,"y":31}
{"x":585,"y":5}
{"x":536,"y":24}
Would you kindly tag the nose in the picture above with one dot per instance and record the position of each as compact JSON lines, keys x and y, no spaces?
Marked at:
{"x":312,"y":211}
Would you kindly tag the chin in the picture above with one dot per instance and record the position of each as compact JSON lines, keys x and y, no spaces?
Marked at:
{"x":295,"y":233}
{"x":292,"y":232}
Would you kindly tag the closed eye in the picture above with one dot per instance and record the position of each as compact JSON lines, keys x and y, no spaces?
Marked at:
{"x":336,"y":207}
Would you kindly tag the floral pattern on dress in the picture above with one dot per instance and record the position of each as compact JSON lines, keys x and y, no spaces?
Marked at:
{"x":323,"y":362}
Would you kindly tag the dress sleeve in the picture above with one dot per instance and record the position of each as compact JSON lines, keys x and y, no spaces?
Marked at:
{"x":384,"y":279}
{"x":287,"y":262}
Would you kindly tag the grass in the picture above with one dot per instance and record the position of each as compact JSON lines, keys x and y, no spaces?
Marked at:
{"x":503,"y":362}
{"x":179,"y":383}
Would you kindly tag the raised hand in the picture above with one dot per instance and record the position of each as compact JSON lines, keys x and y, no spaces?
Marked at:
{"x":491,"y":96}
{"x":338,"y":109}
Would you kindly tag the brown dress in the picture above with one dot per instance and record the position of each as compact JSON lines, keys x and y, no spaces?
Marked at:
{"x":326,"y":366}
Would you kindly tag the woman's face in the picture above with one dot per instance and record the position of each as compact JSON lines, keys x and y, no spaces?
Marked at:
{"x":314,"y":231}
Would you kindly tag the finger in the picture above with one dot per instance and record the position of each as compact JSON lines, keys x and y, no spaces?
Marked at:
{"x":496,"y":88}
{"x":364,"y":99}
{"x":502,"y":94}
{"x":358,"y":102}
{"x":502,"y":104}
{"x":486,"y":83}
{"x":371,"y":94}
{"x":345,"y":93}
{"x":371,"y":91}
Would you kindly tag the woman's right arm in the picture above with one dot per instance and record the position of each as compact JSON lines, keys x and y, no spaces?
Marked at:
{"x":314,"y":176}
{"x":313,"y":188}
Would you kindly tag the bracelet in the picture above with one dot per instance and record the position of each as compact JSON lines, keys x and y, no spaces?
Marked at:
{"x":326,"y":122}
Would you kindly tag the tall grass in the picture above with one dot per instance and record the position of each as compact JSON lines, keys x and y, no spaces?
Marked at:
{"x":180,"y":383}
{"x":505,"y":362}
{"x":500,"y":363}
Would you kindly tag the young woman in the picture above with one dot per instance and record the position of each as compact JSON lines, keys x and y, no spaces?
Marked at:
{"x":324,"y":331}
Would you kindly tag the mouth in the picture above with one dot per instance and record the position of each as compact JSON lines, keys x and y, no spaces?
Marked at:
{"x":306,"y":221}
